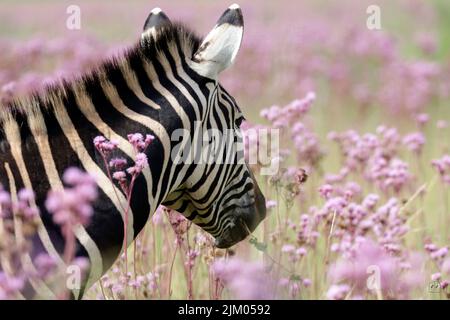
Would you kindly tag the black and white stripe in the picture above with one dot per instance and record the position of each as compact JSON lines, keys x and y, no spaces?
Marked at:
{"x":168,"y":81}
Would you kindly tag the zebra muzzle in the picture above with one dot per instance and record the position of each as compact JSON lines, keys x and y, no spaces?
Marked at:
{"x":243,"y":226}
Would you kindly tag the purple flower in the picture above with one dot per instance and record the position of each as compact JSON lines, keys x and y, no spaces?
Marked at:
{"x":73,"y":204}
{"x":271,"y":204}
{"x":354,"y":271}
{"x":446,"y":266}
{"x":288,"y":248}
{"x":5,"y":203}
{"x":26,"y":195}
{"x":10,"y":286}
{"x":442,"y":124}
{"x":149,"y":138}
{"x":119,"y":175}
{"x":82,"y":263}
{"x":436,"y":276}
{"x":141,"y":162}
{"x":246,"y":280}
{"x":105,"y":146}
{"x":45,"y":265}
{"x":422,"y":119}
{"x":307,"y":282}
{"x":118,"y":163}
{"x":326,"y":190}
{"x":138,"y":141}
{"x":442,"y":166}
{"x":439,"y":254}
{"x":370,"y":201}
{"x":338,"y":292}
{"x":25,"y":205}
{"x":152,"y":279}
{"x":414,"y":141}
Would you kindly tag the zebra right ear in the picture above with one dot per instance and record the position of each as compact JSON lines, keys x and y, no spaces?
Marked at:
{"x":220,"y":47}
{"x":155,"y":20}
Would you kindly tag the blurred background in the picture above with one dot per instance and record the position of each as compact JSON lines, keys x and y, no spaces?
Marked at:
{"x":289,"y":48}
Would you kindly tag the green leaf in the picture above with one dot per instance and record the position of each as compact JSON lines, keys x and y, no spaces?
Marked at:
{"x":295,"y":277}
{"x":260,"y":246}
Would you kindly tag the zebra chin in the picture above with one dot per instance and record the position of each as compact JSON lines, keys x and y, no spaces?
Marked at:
{"x":246,"y":220}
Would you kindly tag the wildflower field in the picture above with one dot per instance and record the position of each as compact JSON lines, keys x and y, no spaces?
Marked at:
{"x":360,"y":205}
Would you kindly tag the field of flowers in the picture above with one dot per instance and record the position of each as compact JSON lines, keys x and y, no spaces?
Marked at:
{"x":360,"y":208}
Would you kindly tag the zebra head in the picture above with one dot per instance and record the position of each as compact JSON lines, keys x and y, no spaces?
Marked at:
{"x":221,"y":194}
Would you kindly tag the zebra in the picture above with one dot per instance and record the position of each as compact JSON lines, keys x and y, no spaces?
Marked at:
{"x":167,"y":81}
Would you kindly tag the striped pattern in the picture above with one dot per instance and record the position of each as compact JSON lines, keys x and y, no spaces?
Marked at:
{"x":152,"y":89}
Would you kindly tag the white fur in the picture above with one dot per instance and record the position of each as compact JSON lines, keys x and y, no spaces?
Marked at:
{"x":218,"y":50}
{"x":156,"y":10}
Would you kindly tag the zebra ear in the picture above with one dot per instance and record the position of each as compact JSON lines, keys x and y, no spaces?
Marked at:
{"x":220,"y":47}
{"x":155,"y":20}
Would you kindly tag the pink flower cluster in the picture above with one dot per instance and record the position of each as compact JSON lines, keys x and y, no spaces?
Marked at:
{"x":118,"y":164}
{"x":69,"y":206}
{"x":245,"y":280}
{"x":10,"y":286}
{"x":105,"y":146}
{"x":441,"y":260}
{"x":442,"y":166}
{"x":371,"y":270}
{"x":375,"y":156}
{"x":282,"y":117}
{"x":288,"y":121}
{"x":73,"y":205}
{"x":13,"y":274}
{"x":69,"y":57}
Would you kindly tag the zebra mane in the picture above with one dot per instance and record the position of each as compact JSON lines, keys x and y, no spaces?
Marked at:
{"x":149,"y":48}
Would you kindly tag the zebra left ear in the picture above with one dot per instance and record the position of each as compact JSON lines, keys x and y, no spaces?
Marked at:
{"x":155,"y":20}
{"x":220,"y":47}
